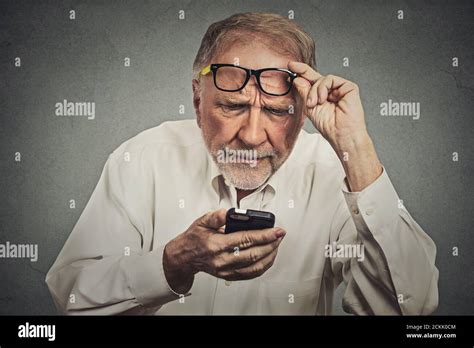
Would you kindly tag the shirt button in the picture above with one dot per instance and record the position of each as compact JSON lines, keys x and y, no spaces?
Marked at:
{"x":355,"y":211}
{"x":228,"y":282}
{"x":369,"y":211}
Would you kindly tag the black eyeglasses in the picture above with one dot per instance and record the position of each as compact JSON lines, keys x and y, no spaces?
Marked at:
{"x":233,"y":78}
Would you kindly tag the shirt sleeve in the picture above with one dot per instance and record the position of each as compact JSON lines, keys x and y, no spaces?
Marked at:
{"x":397,"y":273}
{"x":107,"y":266}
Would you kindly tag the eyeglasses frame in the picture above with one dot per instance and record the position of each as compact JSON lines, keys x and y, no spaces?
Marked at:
{"x":250,"y":72}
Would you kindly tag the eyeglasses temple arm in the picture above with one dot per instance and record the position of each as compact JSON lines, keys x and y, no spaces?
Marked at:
{"x":206,"y":70}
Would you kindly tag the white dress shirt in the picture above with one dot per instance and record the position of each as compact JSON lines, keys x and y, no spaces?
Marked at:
{"x":156,"y":184}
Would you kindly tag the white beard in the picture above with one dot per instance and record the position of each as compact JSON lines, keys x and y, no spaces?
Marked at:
{"x":245,"y":177}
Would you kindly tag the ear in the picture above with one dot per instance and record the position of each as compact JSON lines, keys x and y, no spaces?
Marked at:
{"x":197,"y":100}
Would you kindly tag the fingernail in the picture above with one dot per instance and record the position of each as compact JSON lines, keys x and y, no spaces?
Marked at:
{"x":309,"y":101}
{"x":280,"y":233}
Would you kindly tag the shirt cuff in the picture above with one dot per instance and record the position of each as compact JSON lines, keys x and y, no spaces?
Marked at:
{"x":146,"y":278}
{"x":377,"y":205}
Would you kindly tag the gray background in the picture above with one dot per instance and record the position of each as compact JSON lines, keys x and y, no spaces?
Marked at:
{"x":82,"y":60}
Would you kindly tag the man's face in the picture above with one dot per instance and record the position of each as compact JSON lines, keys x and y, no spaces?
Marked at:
{"x":248,"y":119}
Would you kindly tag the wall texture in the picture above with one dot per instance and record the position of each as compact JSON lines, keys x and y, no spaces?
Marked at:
{"x":82,"y":59}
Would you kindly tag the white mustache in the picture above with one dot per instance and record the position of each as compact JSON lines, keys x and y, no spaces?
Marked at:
{"x":260,"y":154}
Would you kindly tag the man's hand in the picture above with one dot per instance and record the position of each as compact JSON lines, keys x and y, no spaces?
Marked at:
{"x":332,"y":103}
{"x":334,"y":107}
{"x":204,"y":247}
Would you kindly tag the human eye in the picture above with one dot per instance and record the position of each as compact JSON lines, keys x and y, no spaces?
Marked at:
{"x":277,"y":111}
{"x":233,"y":107}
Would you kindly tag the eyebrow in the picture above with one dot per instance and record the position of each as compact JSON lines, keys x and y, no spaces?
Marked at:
{"x":231,"y":100}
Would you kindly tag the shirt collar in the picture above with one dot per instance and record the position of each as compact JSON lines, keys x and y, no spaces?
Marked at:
{"x":213,"y":173}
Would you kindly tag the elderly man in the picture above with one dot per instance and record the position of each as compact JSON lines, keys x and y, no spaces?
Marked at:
{"x":151,"y":239}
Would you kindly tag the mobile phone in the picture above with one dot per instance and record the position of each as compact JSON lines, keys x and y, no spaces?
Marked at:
{"x":248,"y":219}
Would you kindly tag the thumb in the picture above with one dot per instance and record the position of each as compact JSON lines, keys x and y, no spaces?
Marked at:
{"x":213,"y":220}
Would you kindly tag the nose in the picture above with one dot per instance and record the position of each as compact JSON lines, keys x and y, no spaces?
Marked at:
{"x":252,"y":132}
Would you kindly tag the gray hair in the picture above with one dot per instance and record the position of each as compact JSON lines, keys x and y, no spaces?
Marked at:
{"x":284,"y":35}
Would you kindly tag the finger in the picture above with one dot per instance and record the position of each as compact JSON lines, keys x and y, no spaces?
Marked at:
{"x":302,"y":87}
{"x":213,"y":220}
{"x":304,"y":70}
{"x":339,"y":93}
{"x":247,"y":257}
{"x":329,"y":83}
{"x":312,"y":100}
{"x":246,"y":239}
{"x":323,"y":92}
{"x":252,"y":271}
